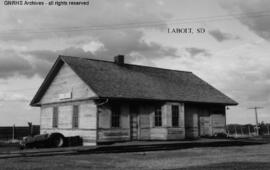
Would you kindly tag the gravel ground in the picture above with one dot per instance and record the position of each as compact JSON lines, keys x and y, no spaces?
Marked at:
{"x":221,"y":158}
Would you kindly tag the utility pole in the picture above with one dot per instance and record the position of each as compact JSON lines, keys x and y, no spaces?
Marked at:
{"x":256,"y":117}
{"x":13,"y":133}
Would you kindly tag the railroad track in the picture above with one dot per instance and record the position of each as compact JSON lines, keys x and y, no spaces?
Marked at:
{"x":143,"y":147}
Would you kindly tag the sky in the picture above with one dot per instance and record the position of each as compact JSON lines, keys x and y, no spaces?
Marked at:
{"x":232,"y":54}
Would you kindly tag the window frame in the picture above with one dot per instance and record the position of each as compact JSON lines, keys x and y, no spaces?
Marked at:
{"x":115,"y":116}
{"x":175,"y":115}
{"x":55,"y":117}
{"x":75,"y":116}
{"x":158,"y":117}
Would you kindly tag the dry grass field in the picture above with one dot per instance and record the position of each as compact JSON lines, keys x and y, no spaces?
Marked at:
{"x":250,"y":157}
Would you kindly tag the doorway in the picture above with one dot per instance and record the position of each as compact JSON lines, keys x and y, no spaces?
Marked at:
{"x":205,"y":126}
{"x":134,"y":123}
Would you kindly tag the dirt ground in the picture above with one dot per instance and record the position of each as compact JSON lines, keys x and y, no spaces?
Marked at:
{"x":225,"y":158}
{"x":8,"y":147}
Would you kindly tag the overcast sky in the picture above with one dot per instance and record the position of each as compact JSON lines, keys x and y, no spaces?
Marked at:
{"x":232,"y":55}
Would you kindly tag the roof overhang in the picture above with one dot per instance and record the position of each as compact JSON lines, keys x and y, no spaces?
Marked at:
{"x":160,"y":100}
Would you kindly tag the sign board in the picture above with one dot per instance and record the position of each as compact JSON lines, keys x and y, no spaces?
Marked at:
{"x":65,"y":96}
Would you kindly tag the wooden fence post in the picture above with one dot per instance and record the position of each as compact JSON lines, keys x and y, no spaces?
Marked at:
{"x":242,"y":131}
{"x":235,"y":130}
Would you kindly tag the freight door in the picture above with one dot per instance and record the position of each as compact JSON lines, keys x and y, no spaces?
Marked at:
{"x":205,"y":126}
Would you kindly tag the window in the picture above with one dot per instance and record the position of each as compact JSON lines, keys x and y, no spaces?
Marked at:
{"x":115,"y":116}
{"x":75,"y":117}
{"x":158,"y":118}
{"x":175,"y":115}
{"x":55,"y":117}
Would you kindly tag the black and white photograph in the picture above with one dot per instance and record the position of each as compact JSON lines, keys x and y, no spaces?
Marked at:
{"x":135,"y":84}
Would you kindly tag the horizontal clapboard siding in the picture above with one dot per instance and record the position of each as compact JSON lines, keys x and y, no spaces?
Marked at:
{"x":86,"y":121}
{"x":65,"y":82}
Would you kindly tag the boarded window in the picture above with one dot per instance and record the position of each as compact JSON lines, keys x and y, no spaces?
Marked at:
{"x":175,"y":115}
{"x":158,"y":117}
{"x":115,"y":116}
{"x":75,"y":117}
{"x":55,"y":117}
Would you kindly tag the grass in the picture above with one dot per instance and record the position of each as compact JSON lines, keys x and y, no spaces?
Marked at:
{"x":7,"y":146}
{"x":221,"y":158}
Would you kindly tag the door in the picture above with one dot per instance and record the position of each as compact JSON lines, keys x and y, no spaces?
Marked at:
{"x":134,"y":123}
{"x":205,"y":126}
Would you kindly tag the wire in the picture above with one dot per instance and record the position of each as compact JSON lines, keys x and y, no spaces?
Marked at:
{"x":142,"y":24}
{"x":26,"y":89}
{"x":19,"y":90}
{"x":162,"y":21}
{"x":15,"y":100}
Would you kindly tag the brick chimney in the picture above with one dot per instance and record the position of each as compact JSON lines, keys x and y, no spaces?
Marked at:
{"x":119,"y":59}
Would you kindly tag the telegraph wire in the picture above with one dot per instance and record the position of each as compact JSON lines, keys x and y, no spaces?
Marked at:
{"x":16,"y":90}
{"x":138,"y":25}
{"x":132,"y":25}
{"x":161,"y":21}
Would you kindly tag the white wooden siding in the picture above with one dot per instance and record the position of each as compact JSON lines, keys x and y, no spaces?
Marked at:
{"x":174,"y":133}
{"x":87,"y":120}
{"x":65,"y":117}
{"x":46,"y":117}
{"x":106,"y":132}
{"x":218,"y":123}
{"x":87,"y":116}
{"x":144,"y":122}
{"x":66,"y":81}
{"x":158,"y":133}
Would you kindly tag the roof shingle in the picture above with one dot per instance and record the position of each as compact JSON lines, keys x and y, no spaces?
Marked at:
{"x":110,"y":80}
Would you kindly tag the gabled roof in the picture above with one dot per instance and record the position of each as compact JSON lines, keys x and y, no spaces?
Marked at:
{"x":111,"y":80}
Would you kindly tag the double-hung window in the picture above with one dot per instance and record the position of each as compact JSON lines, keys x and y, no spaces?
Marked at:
{"x":115,"y":117}
{"x":158,"y":117}
{"x":175,"y":115}
{"x":55,"y":117}
{"x":75,"y":116}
